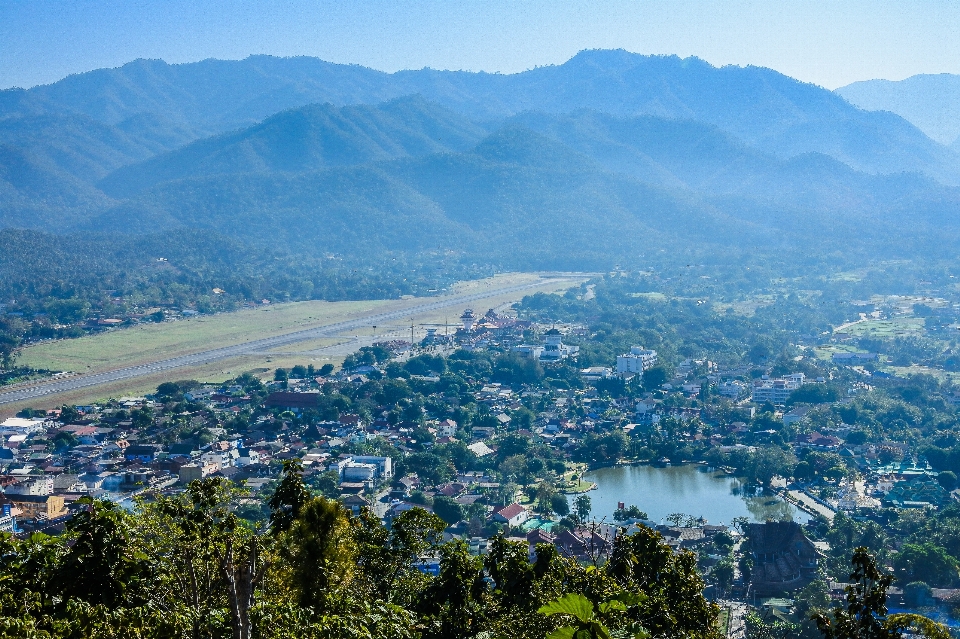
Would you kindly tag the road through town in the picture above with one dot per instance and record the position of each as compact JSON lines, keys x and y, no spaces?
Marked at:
{"x":63,"y":385}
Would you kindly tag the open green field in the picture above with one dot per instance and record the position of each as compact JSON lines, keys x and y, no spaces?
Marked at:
{"x":150,"y":342}
{"x":887,"y":329}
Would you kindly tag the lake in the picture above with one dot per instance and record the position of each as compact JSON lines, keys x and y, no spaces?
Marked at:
{"x":690,"y":489}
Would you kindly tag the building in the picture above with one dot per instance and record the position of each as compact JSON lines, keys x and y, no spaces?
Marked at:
{"x":447,"y":428}
{"x":8,"y":519}
{"x":636,"y":361}
{"x":190,"y":472}
{"x":20,"y":426}
{"x":468,"y":319}
{"x":596,"y":373}
{"x":853,"y":359}
{"x":354,"y":503}
{"x":554,"y":349}
{"x":530,"y":351}
{"x":293,"y":401}
{"x":38,"y":506}
{"x":480,"y":449}
{"x":512,"y":515}
{"x":732,"y":389}
{"x":361,"y":468}
{"x":776,"y":391}
{"x":247,"y":457}
{"x":143,"y":453}
{"x":783,"y":558}
{"x":31,"y":486}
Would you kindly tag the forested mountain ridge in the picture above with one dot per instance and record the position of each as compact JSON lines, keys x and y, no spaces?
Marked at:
{"x":760,"y":106}
{"x":309,"y":138}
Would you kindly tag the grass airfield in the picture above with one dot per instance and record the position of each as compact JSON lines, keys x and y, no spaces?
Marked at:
{"x":146,"y":343}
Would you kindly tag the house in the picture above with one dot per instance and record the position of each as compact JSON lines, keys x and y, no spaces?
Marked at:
{"x":143,"y":453}
{"x":783,"y":557}
{"x":447,"y":428}
{"x":354,"y":503}
{"x":512,"y":515}
{"x":815,"y":440}
{"x":247,"y":457}
{"x":798,"y":414}
{"x":585,"y":542}
{"x":190,"y":472}
{"x":480,"y":449}
{"x":853,"y":359}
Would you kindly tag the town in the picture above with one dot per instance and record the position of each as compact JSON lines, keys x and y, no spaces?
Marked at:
{"x":498,"y":425}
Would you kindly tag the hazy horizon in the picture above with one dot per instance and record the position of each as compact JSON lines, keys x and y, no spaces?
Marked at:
{"x":831,"y":45}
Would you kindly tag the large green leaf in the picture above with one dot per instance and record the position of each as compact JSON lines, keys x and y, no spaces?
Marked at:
{"x":570,"y":604}
{"x":567,"y":632}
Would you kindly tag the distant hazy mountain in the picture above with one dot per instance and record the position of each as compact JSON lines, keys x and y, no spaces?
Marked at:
{"x":34,"y":193}
{"x":759,"y":106}
{"x":81,"y":146}
{"x":541,"y":199}
{"x":930,"y":102}
{"x":307,"y":139}
{"x":610,"y":158}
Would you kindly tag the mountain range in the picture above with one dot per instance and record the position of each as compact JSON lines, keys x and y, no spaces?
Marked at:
{"x":610,"y":158}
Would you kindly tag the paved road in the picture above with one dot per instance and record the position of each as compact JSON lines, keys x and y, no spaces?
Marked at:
{"x":204,"y":357}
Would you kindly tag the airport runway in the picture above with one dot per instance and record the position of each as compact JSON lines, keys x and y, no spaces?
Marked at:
{"x":43,"y":389}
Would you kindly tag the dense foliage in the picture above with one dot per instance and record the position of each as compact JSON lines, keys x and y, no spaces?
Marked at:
{"x":186,"y":566}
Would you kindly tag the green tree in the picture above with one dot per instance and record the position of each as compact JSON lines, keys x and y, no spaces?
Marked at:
{"x":925,"y":562}
{"x":560,"y":505}
{"x":865,"y":615}
{"x":447,"y":509}
{"x":289,"y":497}
{"x":582,"y":507}
{"x":723,"y":573}
{"x":101,"y":565}
{"x":320,"y":552}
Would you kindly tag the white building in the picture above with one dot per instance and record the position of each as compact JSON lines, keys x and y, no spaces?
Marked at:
{"x":247,"y":457}
{"x":639,"y":359}
{"x":733,"y":389}
{"x":554,"y":349}
{"x":363,"y":468}
{"x":356,"y":472}
{"x":447,"y":428}
{"x":776,"y":391}
{"x":220,"y":459}
{"x":31,"y":486}
{"x":20,"y":426}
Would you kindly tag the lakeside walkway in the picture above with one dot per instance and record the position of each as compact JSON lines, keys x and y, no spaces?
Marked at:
{"x":809,"y":504}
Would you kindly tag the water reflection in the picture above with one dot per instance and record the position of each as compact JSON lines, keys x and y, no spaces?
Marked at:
{"x":691,"y":489}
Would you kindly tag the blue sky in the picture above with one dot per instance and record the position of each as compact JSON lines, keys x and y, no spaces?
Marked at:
{"x":831,"y":43}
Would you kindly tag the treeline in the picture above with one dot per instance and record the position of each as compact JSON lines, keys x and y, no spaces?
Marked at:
{"x":186,"y":566}
{"x":50,"y":284}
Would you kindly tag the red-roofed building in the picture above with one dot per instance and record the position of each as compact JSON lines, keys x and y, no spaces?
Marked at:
{"x":512,"y":515}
